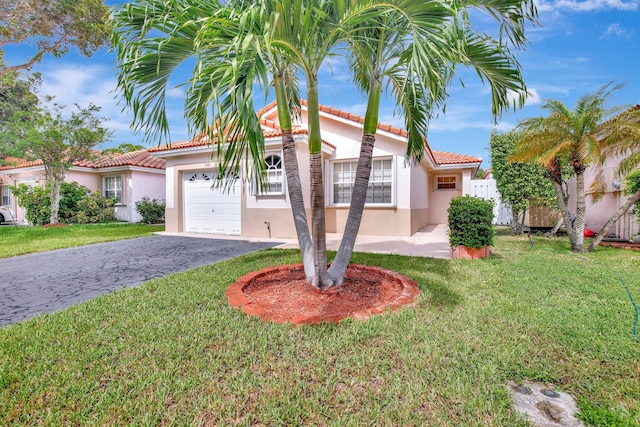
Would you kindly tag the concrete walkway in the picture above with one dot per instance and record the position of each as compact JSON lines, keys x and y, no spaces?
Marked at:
{"x":432,"y":241}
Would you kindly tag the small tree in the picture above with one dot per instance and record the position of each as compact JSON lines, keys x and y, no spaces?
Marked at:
{"x":518,"y":183}
{"x":58,"y":142}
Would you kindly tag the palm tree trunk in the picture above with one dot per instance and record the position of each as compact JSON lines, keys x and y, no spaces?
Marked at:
{"x":320,"y":278}
{"x":294,"y":186}
{"x":294,"y":189}
{"x":555,"y":229}
{"x":562,"y":205}
{"x":356,"y":209}
{"x":578,"y":228}
{"x":360,"y":185}
{"x":605,"y":229}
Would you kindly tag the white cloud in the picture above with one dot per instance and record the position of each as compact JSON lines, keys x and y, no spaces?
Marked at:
{"x":616,"y":30}
{"x":175,"y":92}
{"x":586,"y":6}
{"x":532,"y":97}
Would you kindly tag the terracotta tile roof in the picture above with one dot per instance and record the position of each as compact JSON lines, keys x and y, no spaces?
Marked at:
{"x":271,"y":128}
{"x":445,"y":158}
{"x":141,"y":158}
{"x":14,"y":163}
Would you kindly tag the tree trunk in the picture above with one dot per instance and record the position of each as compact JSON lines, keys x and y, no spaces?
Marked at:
{"x":55,"y":201}
{"x":555,"y":229}
{"x":294,"y":186}
{"x":615,"y":217}
{"x":562,"y":205}
{"x":578,"y":228}
{"x":356,"y":208}
{"x":294,"y":189}
{"x":516,"y":228}
{"x":321,"y":278}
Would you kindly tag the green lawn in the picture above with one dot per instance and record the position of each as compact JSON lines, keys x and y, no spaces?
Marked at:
{"x":20,"y":240}
{"x":173,"y":352}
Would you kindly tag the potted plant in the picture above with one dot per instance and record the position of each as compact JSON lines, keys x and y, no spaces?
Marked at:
{"x":470,"y":227}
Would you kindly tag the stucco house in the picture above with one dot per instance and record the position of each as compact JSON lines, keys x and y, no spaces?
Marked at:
{"x":402,"y":198}
{"x":128,"y":177}
{"x":598,"y":213}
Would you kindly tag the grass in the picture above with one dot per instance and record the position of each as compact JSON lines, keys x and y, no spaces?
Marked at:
{"x":23,"y":240}
{"x":173,"y":352}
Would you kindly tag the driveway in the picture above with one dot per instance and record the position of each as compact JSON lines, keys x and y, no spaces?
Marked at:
{"x":49,"y":281}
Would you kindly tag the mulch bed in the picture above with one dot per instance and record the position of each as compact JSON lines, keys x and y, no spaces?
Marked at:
{"x":281,"y":294}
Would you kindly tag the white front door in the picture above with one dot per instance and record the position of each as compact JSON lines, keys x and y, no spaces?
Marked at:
{"x":207,"y":210}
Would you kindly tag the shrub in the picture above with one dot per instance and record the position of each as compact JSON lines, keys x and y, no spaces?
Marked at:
{"x":94,"y":207}
{"x":70,"y":194}
{"x":151,"y":211}
{"x":35,"y":201}
{"x":470,"y":222}
{"x":77,"y":204}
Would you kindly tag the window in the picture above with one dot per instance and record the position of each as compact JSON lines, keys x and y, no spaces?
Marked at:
{"x":5,"y":195}
{"x":275,"y":175}
{"x":446,"y":183}
{"x":113,"y":187}
{"x":380,"y":189}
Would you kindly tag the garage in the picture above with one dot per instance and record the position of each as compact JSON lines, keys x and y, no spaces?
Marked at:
{"x":207,"y":210}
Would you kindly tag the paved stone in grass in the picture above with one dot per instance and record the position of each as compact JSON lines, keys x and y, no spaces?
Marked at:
{"x":49,"y":281}
{"x":545,"y":407}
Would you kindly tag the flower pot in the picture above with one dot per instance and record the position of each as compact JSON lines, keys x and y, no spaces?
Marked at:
{"x":465,"y":252}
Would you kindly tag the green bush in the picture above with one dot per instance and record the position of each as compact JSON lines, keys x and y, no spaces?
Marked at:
{"x":77,"y":204}
{"x":35,"y":201}
{"x":470,"y":222}
{"x":151,"y":211}
{"x":94,"y":207}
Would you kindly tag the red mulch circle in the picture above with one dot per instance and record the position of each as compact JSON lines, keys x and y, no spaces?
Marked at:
{"x":58,"y":224}
{"x":281,"y":294}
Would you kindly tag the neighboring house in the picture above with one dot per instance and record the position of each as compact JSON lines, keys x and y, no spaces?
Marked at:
{"x":402,"y":199}
{"x":598,"y":213}
{"x":126,"y":177}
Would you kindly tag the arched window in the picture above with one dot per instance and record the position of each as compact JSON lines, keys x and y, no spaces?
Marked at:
{"x":275,"y":177}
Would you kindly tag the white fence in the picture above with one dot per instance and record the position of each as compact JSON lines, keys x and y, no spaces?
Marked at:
{"x":487,"y":189}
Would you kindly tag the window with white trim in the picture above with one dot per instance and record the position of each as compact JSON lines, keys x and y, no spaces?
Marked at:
{"x":274,"y":176}
{"x":446,"y":182}
{"x":5,"y":195}
{"x":380,"y":190}
{"x":112,"y":186}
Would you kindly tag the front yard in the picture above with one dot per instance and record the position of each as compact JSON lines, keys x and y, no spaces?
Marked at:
{"x":20,"y":240}
{"x":173,"y":352}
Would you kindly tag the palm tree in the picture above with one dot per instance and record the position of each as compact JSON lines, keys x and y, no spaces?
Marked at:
{"x":154,"y":38}
{"x":579,"y":136}
{"x":237,"y":43}
{"x":415,"y":49}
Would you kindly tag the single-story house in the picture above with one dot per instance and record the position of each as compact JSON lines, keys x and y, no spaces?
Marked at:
{"x":127,"y":177}
{"x":402,"y":198}
{"x":598,"y":213}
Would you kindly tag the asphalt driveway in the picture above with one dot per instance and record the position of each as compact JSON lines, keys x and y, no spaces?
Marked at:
{"x":49,"y":281}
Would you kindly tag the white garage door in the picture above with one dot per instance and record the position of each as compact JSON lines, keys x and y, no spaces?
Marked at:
{"x":207,"y":210}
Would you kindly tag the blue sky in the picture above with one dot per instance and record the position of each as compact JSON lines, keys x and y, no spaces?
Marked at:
{"x":580,"y":46}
